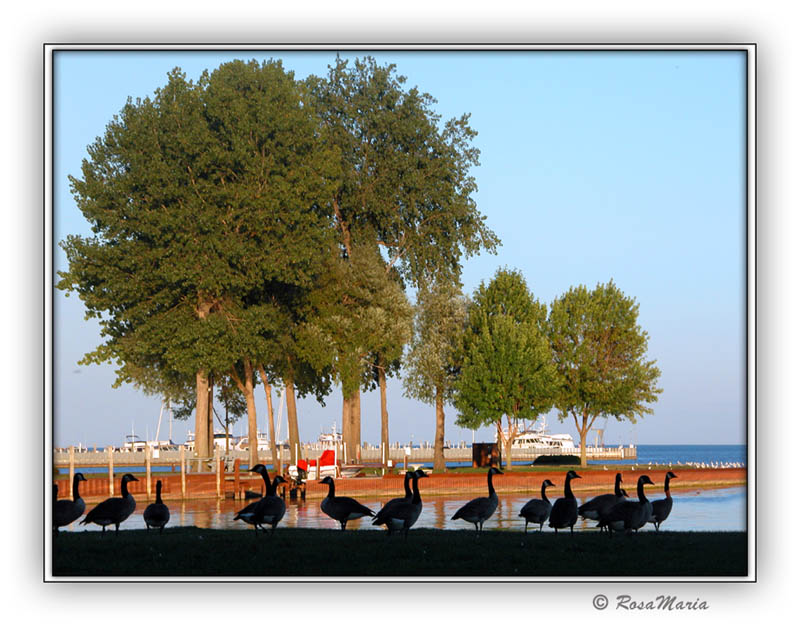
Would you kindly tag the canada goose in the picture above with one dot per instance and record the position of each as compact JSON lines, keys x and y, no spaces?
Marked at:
{"x":341,"y":508}
{"x":478,"y":510}
{"x":662,"y":508}
{"x":67,"y":511}
{"x":401,"y":513}
{"x":156,"y":514}
{"x":113,"y":510}
{"x":630,"y":515}
{"x":601,"y":505}
{"x":271,"y":508}
{"x":565,"y":510}
{"x":537,"y":511}
{"x":246,"y":514}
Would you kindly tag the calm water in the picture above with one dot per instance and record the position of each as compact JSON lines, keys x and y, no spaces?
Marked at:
{"x":677,"y":455}
{"x":710,"y":509}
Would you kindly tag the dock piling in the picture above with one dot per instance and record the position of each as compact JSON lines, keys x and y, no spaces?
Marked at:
{"x":183,"y":471}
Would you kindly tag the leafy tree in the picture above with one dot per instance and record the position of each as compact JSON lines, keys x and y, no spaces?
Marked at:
{"x":600,"y":354}
{"x":507,"y":367}
{"x":403,"y":184}
{"x":356,"y":312}
{"x":432,"y":360}
{"x":201,"y":200}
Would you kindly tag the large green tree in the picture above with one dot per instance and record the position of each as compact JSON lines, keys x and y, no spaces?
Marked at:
{"x":507,"y":368}
{"x":404,"y":185}
{"x":356,"y":313}
{"x":600,"y":352}
{"x":201,"y":199}
{"x":432,"y":360}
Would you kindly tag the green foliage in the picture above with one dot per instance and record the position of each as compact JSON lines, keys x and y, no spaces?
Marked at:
{"x":404,"y":181}
{"x":600,"y":353}
{"x":431,"y":363}
{"x":507,"y":366}
{"x":201,"y":200}
{"x":357,"y":310}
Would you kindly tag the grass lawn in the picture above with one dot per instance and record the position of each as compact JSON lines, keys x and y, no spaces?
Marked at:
{"x":191,"y":551}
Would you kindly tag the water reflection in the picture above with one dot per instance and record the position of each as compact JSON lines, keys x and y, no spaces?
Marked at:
{"x":712,"y":509}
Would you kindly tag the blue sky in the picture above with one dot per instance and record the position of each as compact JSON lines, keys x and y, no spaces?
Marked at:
{"x":594,"y":165}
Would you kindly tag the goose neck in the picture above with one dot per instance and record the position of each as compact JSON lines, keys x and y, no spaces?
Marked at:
{"x":416,"y":497}
{"x":124,"y":488}
{"x":640,"y":491}
{"x":544,"y":492}
{"x":406,"y":486}
{"x":331,"y":490}
{"x":618,"y":486}
{"x":568,"y":488}
{"x":489,"y":480}
{"x":75,"y":493}
{"x":158,"y":493}
{"x":666,"y":484}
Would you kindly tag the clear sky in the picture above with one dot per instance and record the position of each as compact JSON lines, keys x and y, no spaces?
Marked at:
{"x":594,"y":165}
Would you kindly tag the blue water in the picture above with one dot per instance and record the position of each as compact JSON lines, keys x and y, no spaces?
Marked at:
{"x":684,"y":455}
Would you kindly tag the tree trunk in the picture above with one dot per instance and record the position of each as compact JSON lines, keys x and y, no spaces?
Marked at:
{"x":355,"y":414}
{"x":252,"y":422}
{"x":272,"y":444}
{"x":345,"y":427}
{"x":201,"y":416}
{"x":210,"y":422}
{"x":438,"y":439}
{"x":384,"y":411}
{"x":291,"y":412}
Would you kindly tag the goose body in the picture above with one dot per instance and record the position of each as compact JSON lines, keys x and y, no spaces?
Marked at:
{"x":630,"y":515}
{"x":382,"y":517}
{"x":342,"y":508}
{"x":537,"y":511}
{"x":597,"y":507}
{"x":565,"y":510}
{"x":67,"y":511}
{"x":113,"y":510}
{"x":248,"y":512}
{"x":157,"y":513}
{"x":662,"y":508}
{"x":401,"y":513}
{"x":478,"y":510}
{"x":271,"y":508}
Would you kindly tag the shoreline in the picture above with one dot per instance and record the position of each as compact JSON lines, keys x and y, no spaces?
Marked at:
{"x":204,"y":485}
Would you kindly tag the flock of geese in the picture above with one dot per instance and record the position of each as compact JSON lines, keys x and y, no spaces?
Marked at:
{"x":612,"y":511}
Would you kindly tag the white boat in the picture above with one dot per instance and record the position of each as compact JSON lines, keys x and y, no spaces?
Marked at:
{"x":135,"y":444}
{"x":331,"y":438}
{"x":540,"y":438}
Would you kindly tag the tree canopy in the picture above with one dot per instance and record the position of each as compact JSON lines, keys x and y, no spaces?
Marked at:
{"x":200,"y":199}
{"x":600,"y":351}
{"x":507,"y":367}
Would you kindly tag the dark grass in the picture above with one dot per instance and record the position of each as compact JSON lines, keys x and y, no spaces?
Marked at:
{"x":191,"y":551}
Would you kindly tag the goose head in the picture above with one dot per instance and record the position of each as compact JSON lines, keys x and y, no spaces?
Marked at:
{"x":326,"y":481}
{"x":420,"y":473}
{"x":671,"y":475}
{"x":80,"y":476}
{"x":644,"y":479}
{"x":127,"y":478}
{"x":279,"y":479}
{"x":258,"y":468}
{"x":572,"y":474}
{"x":548,"y":483}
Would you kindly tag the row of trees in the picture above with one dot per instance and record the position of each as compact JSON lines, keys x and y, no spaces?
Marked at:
{"x":251,"y":228}
{"x":503,"y":355}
